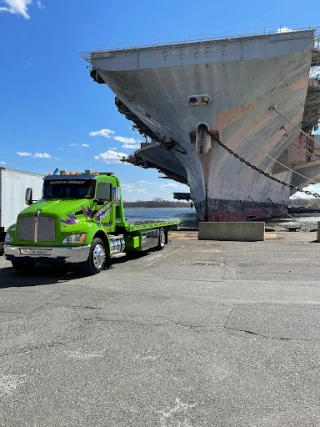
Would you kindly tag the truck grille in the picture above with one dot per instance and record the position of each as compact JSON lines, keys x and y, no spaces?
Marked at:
{"x":46,"y":229}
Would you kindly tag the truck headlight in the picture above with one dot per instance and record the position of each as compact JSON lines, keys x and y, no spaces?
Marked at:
{"x":8,"y":238}
{"x":75,"y":238}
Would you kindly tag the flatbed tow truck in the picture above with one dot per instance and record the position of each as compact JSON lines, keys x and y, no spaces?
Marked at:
{"x":80,"y":219}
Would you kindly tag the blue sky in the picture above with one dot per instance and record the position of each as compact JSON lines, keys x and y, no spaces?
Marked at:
{"x":52,"y":113}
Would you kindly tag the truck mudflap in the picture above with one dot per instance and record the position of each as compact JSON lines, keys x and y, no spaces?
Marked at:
{"x":74,"y":254}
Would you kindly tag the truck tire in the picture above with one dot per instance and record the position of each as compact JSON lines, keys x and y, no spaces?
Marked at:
{"x":23,"y":266}
{"x":97,"y":257}
{"x":162,"y":239}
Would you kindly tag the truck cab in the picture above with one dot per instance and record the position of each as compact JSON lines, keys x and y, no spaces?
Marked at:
{"x":80,"y":219}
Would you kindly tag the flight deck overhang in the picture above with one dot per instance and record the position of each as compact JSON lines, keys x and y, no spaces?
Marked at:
{"x":153,"y":156}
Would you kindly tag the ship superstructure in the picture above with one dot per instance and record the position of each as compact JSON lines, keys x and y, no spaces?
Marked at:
{"x":252,"y":93}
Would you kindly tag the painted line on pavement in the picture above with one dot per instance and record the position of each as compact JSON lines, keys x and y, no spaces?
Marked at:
{"x":164,"y":256}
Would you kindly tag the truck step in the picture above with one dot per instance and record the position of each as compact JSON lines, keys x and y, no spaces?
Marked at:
{"x":121,"y":254}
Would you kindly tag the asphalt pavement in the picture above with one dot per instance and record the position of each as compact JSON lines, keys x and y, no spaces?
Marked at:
{"x":203,"y":333}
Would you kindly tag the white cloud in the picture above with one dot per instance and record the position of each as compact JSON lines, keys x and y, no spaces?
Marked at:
{"x":74,"y":144}
{"x":143,"y":182}
{"x":40,"y":5}
{"x":170,"y":185}
{"x":107,"y":133}
{"x":129,"y":143}
{"x":284,"y":30}
{"x":17,"y":7}
{"x":131,"y":146}
{"x":125,"y":139}
{"x":56,"y":158}
{"x":131,"y":188}
{"x":42,"y":155}
{"x":110,"y":156}
{"x":36,"y":155}
{"x":2,"y":163}
{"x":128,"y":187}
{"x":23,"y":154}
{"x":27,"y":64}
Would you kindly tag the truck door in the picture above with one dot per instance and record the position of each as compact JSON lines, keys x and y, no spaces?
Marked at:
{"x":104,"y":204}
{"x":117,"y":204}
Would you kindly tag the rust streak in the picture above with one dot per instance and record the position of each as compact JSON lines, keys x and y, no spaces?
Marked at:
{"x":225,"y":119}
{"x":300,"y":83}
{"x":248,"y":129}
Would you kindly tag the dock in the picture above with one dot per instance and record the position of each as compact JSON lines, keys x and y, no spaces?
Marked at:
{"x":203,"y":333}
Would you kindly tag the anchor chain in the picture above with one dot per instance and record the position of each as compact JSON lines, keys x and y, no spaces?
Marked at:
{"x":267,"y":175}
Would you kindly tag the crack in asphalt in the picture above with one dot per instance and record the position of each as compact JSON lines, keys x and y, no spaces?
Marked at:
{"x":27,"y":350}
{"x":200,"y":326}
{"x":126,"y":320}
{"x":247,"y":331}
{"x":90,"y":307}
{"x":167,"y":319}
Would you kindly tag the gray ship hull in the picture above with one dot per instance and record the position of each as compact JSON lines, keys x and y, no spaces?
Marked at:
{"x":250,"y":92}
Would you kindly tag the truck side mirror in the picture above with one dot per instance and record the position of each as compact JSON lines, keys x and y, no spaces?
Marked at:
{"x":28,"y":197}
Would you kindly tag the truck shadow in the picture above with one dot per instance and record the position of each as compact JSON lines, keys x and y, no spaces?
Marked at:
{"x":49,"y":274}
{"x":40,"y":275}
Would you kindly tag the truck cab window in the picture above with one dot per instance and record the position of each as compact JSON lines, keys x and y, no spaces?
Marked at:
{"x":104,"y":191}
{"x":69,"y":189}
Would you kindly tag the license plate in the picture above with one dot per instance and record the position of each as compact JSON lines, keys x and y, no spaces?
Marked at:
{"x":35,"y":251}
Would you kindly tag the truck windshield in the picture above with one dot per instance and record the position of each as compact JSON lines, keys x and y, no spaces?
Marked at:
{"x":69,"y":189}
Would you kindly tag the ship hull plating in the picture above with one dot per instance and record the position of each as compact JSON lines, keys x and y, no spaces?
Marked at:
{"x":251,"y":92}
{"x":232,"y":210}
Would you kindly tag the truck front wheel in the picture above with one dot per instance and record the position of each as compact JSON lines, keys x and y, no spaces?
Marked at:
{"x":97,"y":257}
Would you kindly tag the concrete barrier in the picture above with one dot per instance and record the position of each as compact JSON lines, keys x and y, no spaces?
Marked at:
{"x":236,"y":231}
{"x":318,"y":232}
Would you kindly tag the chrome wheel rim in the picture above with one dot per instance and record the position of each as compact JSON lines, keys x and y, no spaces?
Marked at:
{"x":98,"y":256}
{"x":162,"y":238}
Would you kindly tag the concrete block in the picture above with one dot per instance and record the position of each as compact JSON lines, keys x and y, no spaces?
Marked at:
{"x":235,"y":231}
{"x":318,"y":232}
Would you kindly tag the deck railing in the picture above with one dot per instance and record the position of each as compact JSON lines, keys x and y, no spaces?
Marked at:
{"x":202,"y":38}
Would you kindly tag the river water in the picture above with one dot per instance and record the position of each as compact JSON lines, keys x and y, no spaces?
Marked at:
{"x":304,"y":222}
{"x":187,"y":215}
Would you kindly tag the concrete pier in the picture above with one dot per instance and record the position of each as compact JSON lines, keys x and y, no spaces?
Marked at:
{"x":234,"y":231}
{"x":318,"y":232}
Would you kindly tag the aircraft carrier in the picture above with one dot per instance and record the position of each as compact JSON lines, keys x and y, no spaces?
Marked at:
{"x":253,"y":94}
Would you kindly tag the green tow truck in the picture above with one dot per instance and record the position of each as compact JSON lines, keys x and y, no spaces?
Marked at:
{"x":80,"y":219}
